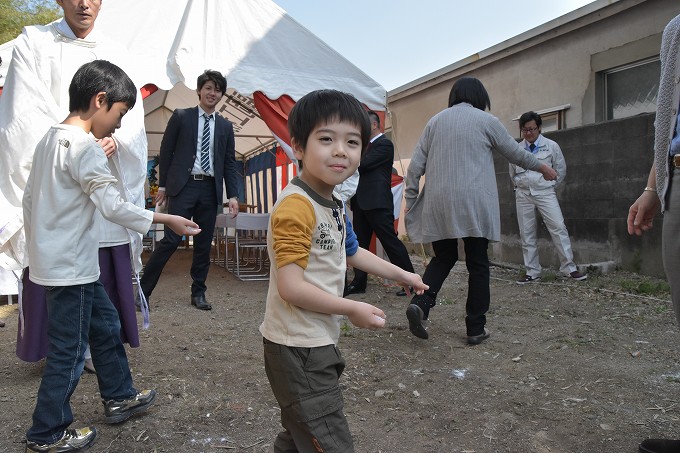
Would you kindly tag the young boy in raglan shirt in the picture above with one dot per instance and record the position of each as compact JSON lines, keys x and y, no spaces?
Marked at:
{"x":307,"y":242}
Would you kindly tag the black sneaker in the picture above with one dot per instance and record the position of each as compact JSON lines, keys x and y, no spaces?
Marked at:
{"x":71,"y":440}
{"x":119,"y":411}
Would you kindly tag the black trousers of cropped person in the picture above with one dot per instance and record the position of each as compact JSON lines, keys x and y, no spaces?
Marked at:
{"x":477,"y":263}
{"x":380,"y":221}
{"x":196,"y":201}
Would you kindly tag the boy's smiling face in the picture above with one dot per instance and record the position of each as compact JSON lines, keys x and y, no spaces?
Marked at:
{"x":106,"y":121}
{"x":332,"y":155}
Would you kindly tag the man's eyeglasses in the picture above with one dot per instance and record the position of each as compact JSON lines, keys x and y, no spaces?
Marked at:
{"x":526,"y":130}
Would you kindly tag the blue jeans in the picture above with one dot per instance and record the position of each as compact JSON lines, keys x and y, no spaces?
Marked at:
{"x":75,"y":315}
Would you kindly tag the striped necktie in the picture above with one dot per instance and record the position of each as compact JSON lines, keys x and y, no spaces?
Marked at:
{"x":205,"y":144}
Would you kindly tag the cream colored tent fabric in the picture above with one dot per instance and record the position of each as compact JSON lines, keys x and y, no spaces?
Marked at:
{"x":254,"y":42}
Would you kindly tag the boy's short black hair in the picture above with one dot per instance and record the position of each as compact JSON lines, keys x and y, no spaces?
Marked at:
{"x":323,"y":106}
{"x":470,"y":90}
{"x":528,"y":116}
{"x":217,"y":77}
{"x":96,"y":76}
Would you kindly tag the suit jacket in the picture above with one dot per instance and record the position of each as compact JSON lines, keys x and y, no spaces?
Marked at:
{"x":179,"y":151}
{"x":375,"y":176}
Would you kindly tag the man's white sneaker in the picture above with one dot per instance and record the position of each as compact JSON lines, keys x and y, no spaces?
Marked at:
{"x":528,"y":279}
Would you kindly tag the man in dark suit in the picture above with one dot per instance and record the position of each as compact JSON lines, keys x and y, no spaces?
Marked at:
{"x":197,"y":154}
{"x":373,"y":206}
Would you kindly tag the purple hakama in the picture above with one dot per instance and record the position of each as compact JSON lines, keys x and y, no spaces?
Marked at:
{"x":116,"y":276}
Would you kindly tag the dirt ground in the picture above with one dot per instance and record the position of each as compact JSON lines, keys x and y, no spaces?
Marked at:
{"x":570,"y":367}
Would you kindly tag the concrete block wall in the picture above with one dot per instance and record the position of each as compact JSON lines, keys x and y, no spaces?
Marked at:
{"x":607,"y":168}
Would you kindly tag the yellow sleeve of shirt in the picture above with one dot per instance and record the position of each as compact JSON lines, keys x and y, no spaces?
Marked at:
{"x":292,"y":225}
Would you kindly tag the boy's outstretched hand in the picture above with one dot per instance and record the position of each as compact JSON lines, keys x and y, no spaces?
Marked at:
{"x":367,"y":316}
{"x":182,"y":226}
{"x":414,"y":281}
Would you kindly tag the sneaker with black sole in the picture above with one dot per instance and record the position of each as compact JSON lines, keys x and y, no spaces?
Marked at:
{"x":576,"y":275}
{"x":414,"y":314}
{"x":72,"y":440}
{"x":477,"y":339}
{"x":528,"y":279}
{"x":119,"y":411}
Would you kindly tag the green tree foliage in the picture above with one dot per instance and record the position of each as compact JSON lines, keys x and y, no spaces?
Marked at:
{"x":15,"y":14}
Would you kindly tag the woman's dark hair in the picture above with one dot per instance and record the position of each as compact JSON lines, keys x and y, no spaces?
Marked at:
{"x":470,"y":90}
{"x":97,"y":76}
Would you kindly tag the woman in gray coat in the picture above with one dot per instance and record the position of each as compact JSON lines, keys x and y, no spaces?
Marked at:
{"x":459,"y":199}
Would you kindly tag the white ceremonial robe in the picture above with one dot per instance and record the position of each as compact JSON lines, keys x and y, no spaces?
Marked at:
{"x":35,"y":97}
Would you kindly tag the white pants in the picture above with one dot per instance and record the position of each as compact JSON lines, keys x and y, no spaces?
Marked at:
{"x":547,"y":205}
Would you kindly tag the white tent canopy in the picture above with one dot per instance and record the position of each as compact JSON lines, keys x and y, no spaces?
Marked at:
{"x":253,"y":42}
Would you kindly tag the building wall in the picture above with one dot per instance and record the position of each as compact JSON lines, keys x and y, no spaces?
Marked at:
{"x":552,"y":65}
{"x":607,"y":168}
{"x":556,"y":64}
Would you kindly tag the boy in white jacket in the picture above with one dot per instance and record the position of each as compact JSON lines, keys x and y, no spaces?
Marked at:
{"x":69,"y":180}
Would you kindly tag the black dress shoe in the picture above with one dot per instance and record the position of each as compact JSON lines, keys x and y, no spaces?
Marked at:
{"x":138,"y":303}
{"x":477,"y":339}
{"x":659,"y":446}
{"x":89,"y":367}
{"x":414,"y":314}
{"x":402,"y":292}
{"x":200,"y":303}
{"x":354,"y":288}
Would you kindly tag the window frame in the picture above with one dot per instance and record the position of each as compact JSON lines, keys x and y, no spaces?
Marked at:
{"x":604,"y":98}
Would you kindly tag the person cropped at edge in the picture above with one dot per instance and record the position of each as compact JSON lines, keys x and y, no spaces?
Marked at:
{"x":373,"y":205}
{"x":309,"y":245}
{"x":197,"y":155}
{"x":459,"y":199}
{"x":663,"y":185}
{"x":533,"y":192}
{"x":68,"y":182}
{"x":35,"y":97}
